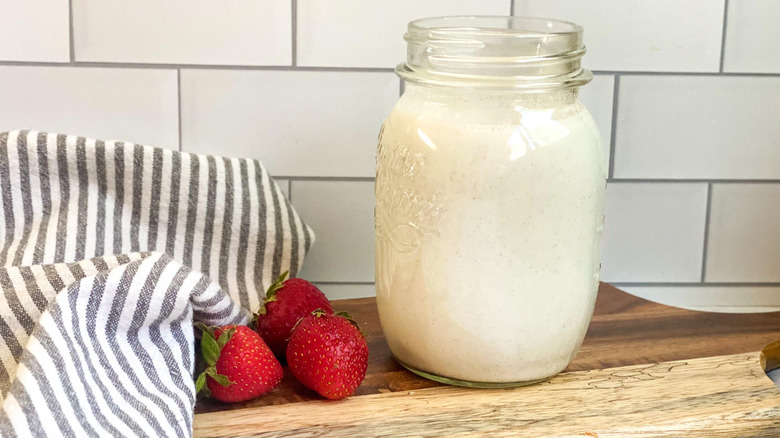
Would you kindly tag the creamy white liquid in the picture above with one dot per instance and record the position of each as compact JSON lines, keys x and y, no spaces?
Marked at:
{"x":488,"y":223}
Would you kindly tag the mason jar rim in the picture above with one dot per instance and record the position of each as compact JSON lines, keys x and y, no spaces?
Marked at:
{"x":478,"y":24}
{"x":495,"y":52}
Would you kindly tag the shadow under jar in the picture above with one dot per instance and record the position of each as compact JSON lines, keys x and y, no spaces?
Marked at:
{"x":489,"y":197}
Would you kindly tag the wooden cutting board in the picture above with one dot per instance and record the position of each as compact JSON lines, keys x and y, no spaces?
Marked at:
{"x":644,"y":370}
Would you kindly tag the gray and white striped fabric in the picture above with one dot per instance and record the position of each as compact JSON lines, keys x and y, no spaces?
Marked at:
{"x":107,"y":254}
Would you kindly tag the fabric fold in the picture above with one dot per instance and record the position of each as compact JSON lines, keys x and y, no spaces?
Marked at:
{"x":108,"y":252}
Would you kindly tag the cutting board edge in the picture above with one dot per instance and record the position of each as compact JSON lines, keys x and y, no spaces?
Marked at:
{"x":253,"y":420}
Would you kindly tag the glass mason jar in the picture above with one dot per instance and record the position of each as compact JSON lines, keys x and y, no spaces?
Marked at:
{"x":489,"y":193}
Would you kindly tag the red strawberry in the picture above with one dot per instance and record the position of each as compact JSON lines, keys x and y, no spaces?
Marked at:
{"x":285,"y":303}
{"x":240,"y":365}
{"x":328,"y":353}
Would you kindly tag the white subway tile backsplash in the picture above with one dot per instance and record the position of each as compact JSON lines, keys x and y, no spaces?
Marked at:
{"x":731,"y":299}
{"x":316,"y":129}
{"x":653,"y":232}
{"x":297,"y":123}
{"x":347,"y":291}
{"x":641,"y":35}
{"x":597,"y":97}
{"x":240,"y":32}
{"x":34,"y":31}
{"x":341,"y":213}
{"x":369,"y":33}
{"x":753,"y":37}
{"x":698,"y":127}
{"x":133,"y":105}
{"x":744,"y":236}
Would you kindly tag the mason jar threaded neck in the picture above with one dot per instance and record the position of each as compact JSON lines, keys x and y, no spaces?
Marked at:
{"x":495,"y":52}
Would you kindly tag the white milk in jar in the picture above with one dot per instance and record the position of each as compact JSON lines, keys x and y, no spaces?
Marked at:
{"x":489,"y":192}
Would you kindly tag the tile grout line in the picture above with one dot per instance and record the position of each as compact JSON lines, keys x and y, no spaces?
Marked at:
{"x":178,"y":96}
{"x":72,"y":43}
{"x":691,"y":284}
{"x":723,"y":36}
{"x":694,"y":180}
{"x":705,"y":248}
{"x":326,"y":178}
{"x":617,"y":284}
{"x":93,"y":64}
{"x":611,"y":180}
{"x":730,"y":306}
{"x":613,"y":128}
{"x":294,"y":13}
{"x":336,"y":283}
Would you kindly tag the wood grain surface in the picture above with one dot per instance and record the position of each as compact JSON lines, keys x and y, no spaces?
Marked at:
{"x":722,"y":395}
{"x":627,"y":334}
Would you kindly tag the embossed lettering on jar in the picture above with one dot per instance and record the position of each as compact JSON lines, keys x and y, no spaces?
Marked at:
{"x":489,"y":197}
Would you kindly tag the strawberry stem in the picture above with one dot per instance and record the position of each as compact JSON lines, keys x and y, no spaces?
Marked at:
{"x":270,"y":294}
{"x":351,"y":320}
{"x":225,"y":337}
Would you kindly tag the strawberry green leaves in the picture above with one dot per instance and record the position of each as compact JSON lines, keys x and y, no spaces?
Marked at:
{"x":200,"y":383}
{"x":210,"y":347}
{"x":222,"y":380}
{"x":351,"y":320}
{"x":270,"y":294}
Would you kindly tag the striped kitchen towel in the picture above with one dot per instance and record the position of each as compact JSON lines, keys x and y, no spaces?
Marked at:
{"x":108,"y":252}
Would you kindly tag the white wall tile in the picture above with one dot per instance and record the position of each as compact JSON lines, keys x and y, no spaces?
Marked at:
{"x":34,"y":31}
{"x":640,"y":35}
{"x":753,"y":37}
{"x":133,"y":105}
{"x":297,"y":123}
{"x":324,"y":124}
{"x":241,"y":32}
{"x":653,"y":232}
{"x":369,"y":33}
{"x":698,"y":127}
{"x":597,"y":97}
{"x":731,"y":299}
{"x":347,"y":291}
{"x":342,"y":216}
{"x":744,"y":236}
